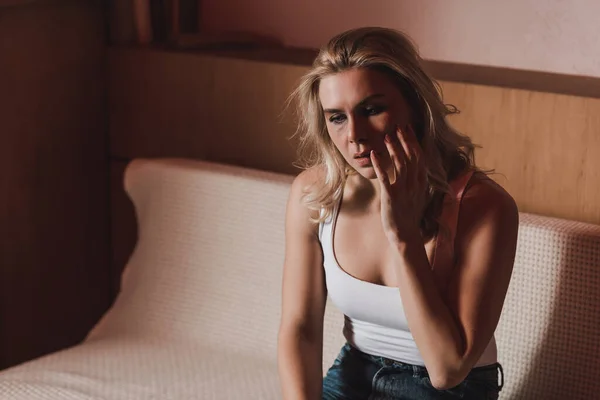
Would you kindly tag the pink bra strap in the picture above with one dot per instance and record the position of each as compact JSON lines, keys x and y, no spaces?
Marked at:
{"x":444,"y":246}
{"x":459,"y":185}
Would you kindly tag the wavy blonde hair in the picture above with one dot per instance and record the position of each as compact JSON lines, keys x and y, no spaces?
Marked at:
{"x":446,"y":151}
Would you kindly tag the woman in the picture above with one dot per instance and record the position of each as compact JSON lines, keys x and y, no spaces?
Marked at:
{"x":392,"y":219}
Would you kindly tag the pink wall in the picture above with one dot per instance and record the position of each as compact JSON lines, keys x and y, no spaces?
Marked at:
{"x":545,"y":35}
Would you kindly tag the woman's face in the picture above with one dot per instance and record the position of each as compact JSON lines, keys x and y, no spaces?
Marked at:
{"x":360,"y":106}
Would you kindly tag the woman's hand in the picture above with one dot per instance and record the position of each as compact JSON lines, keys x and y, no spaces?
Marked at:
{"x":402,"y":201}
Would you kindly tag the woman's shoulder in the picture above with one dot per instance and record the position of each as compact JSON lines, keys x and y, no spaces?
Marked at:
{"x":309,"y":176}
{"x":302,"y":186}
{"x":482,"y":187}
{"x":306,"y":181}
{"x":485,"y":198}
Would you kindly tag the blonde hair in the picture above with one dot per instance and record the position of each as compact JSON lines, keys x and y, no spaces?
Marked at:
{"x":446,"y":151}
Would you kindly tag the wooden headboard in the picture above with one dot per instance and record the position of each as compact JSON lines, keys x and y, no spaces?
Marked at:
{"x":540,"y":132}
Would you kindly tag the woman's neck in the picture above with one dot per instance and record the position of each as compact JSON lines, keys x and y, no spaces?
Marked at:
{"x":363,"y":193}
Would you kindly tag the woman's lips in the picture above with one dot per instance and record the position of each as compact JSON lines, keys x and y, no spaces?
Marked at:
{"x":364,"y":161}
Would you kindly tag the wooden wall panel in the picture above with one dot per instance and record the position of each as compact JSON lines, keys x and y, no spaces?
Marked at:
{"x":54,"y":280}
{"x":219,"y":109}
{"x":542,"y":145}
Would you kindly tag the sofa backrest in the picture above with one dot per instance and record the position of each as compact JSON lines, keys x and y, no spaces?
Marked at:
{"x":208,"y":262}
{"x":208,"y":265}
{"x":549,"y":332}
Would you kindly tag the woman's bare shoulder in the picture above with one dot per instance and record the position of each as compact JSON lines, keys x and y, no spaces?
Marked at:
{"x":301,"y":186}
{"x":487,"y":211}
{"x":485,"y":192}
{"x":486,"y":200}
{"x":309,"y":177}
{"x":306,"y":181}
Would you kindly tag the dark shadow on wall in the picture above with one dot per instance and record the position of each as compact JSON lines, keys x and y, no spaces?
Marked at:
{"x":54,"y":277}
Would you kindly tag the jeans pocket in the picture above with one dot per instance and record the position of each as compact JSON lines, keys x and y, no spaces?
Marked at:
{"x":481,"y":388}
{"x":457,"y":391}
{"x":344,"y":351}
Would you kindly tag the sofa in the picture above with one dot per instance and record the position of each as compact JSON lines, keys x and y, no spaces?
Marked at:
{"x":198,"y":311}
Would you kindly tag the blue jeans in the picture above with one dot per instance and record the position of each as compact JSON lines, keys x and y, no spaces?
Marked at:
{"x":355,"y":375}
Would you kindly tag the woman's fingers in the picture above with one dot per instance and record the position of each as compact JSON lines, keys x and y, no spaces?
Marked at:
{"x":414,"y":157}
{"x":407,"y":145}
{"x":382,"y":176}
{"x":397,"y":156}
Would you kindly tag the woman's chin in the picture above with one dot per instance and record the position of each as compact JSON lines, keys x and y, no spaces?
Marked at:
{"x":367,"y":173}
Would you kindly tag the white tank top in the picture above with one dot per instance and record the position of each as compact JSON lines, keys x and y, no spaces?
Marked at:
{"x":375,"y":322}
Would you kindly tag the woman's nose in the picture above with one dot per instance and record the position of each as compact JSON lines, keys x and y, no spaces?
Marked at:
{"x":356,"y":132}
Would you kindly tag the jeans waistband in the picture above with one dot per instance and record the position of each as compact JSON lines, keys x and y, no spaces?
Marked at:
{"x":419,"y":370}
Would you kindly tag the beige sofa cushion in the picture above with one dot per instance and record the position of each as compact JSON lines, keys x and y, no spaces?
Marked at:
{"x":139,"y":368}
{"x":549,"y":333}
{"x":208,"y":264}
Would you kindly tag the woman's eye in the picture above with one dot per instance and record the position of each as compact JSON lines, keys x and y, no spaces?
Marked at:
{"x":337,"y":119}
{"x":373,"y":110}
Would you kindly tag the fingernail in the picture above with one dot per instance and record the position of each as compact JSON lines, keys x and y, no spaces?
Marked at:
{"x":388,"y":138}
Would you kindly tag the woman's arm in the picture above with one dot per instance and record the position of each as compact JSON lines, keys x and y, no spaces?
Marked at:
{"x":300,"y":345}
{"x":452,"y":333}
